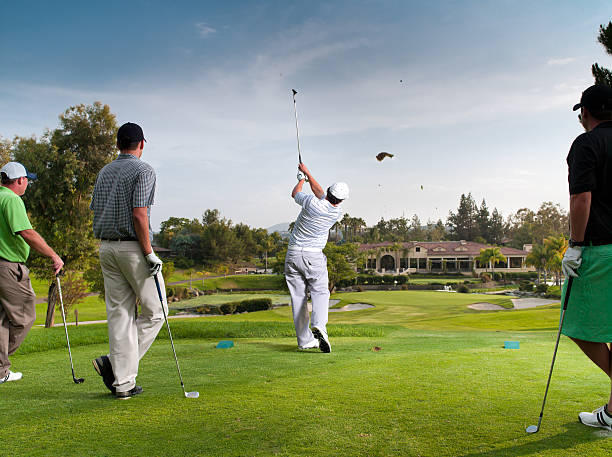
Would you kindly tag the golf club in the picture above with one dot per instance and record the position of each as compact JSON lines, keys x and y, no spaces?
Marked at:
{"x":161,"y":299}
{"x":59,"y":293}
{"x":297,"y":132}
{"x":536,"y":428}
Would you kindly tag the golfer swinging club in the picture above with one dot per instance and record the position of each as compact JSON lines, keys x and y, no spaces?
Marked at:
{"x":588,"y":319}
{"x":305,"y":263}
{"x":121,"y":201}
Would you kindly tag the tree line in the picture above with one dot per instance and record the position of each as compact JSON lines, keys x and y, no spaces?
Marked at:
{"x":469,"y":222}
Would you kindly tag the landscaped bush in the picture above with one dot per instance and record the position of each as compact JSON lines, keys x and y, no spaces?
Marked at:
{"x":254,"y":304}
{"x":388,"y":279}
{"x":553,"y":292}
{"x":527,"y":275}
{"x":541,"y":288}
{"x":525,"y":286}
{"x":401,"y":279}
{"x":462,"y":289}
{"x":497,"y":276}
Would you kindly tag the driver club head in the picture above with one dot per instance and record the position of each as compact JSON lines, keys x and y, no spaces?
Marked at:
{"x":192,"y":394}
{"x":532,"y":429}
{"x":78,"y":380}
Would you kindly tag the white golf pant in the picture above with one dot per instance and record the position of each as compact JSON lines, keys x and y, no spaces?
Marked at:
{"x":127,"y":278}
{"x":307,"y":272}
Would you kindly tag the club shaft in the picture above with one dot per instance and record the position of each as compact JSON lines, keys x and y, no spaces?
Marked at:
{"x":567,"y":294}
{"x":59,"y":293}
{"x":297,"y":132}
{"x":161,"y":299}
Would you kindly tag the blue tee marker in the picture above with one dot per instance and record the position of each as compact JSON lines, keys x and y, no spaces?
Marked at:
{"x":511,"y":344}
{"x":225,"y":344}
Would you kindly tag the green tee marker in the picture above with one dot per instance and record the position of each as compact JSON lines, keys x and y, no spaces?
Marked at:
{"x":511,"y":344}
{"x":225,"y":344}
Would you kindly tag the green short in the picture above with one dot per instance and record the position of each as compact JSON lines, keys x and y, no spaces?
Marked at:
{"x":589,"y":310}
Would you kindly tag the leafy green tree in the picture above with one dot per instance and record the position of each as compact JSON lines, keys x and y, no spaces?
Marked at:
{"x":555,"y":248}
{"x":417,"y":233}
{"x":67,"y":161}
{"x":341,"y":262}
{"x":603,"y":75}
{"x":6,"y":147}
{"x":463,"y":223}
{"x":483,"y":221}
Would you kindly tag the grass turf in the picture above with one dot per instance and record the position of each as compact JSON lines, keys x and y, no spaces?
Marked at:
{"x":441,"y":385}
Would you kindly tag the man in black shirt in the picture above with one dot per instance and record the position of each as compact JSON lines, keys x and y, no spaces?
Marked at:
{"x":588,"y":319}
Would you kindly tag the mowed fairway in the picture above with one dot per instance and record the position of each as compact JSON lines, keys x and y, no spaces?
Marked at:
{"x":440,"y":385}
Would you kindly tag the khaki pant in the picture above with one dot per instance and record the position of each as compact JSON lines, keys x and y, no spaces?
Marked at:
{"x":126,"y":278}
{"x":307,"y":272}
{"x":17,"y":311}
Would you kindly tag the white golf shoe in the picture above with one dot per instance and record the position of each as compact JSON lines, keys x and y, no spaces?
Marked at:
{"x":321,"y":335}
{"x":314,"y":344}
{"x":598,"y":418}
{"x":11,"y":376}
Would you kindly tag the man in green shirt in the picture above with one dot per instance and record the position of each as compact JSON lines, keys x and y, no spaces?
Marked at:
{"x":17,"y":311}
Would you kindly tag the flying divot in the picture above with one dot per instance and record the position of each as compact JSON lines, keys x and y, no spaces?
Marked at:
{"x":381,"y":155}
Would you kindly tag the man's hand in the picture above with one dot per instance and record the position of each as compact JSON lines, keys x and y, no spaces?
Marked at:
{"x":58,"y":264}
{"x":154,"y":262}
{"x":571,"y":261}
{"x":301,"y":176}
{"x":303,"y":169}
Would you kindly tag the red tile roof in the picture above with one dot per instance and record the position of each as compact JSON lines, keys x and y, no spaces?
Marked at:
{"x":444,"y":248}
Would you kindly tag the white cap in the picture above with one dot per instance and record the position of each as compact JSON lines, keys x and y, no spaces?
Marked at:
{"x":14,"y":170}
{"x":339,"y":190}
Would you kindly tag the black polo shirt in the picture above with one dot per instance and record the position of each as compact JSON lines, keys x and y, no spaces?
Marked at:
{"x":590,"y":170}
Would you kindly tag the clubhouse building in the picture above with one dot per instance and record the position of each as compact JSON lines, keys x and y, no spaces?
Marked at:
{"x":439,"y":257}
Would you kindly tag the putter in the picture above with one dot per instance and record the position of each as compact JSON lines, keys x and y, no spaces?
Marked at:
{"x":161,"y":299}
{"x":59,"y":293}
{"x":536,"y":428}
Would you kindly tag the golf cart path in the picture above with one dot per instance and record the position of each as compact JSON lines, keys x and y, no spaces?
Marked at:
{"x":350,"y":307}
{"x":519,"y":303}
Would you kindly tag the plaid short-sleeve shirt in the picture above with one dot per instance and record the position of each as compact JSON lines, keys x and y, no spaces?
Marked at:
{"x":122,"y":185}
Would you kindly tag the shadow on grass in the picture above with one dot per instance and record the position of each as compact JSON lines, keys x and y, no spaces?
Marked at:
{"x":575,"y":434}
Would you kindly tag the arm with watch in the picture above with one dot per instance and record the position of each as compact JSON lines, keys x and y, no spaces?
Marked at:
{"x":580,"y":207}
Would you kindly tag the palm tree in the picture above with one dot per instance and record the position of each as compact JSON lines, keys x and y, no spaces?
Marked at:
{"x":538,"y":258}
{"x":491,"y":256}
{"x":555,"y":248}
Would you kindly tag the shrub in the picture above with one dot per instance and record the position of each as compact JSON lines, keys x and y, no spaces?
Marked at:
{"x":254,"y":304}
{"x":553,"y":292}
{"x":388,"y":279}
{"x":401,"y":279}
{"x":525,"y":286}
{"x":485,"y":277}
{"x":462,"y":289}
{"x":228,"y":308}
{"x":541,"y":288}
{"x":497,"y":276}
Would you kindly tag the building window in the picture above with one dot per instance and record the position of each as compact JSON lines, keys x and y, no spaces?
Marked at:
{"x":404,"y":263}
{"x":417,"y":249}
{"x":414,"y":263}
{"x":515,"y":262}
{"x":371,"y":264}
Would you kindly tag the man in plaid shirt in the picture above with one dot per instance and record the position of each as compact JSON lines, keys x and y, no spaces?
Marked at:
{"x":121,"y":203}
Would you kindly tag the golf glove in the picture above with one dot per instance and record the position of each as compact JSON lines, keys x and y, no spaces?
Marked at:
{"x":571,"y":261}
{"x":155,"y":263}
{"x":301,"y":175}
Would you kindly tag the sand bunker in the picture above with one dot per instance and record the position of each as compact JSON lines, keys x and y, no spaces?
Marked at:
{"x":351,"y":307}
{"x":484,"y":306}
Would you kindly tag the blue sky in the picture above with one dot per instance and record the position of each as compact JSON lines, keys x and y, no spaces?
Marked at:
{"x":471,"y":96}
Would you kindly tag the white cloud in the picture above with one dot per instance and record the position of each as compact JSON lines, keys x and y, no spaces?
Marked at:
{"x":204,"y":29}
{"x":562,"y":61}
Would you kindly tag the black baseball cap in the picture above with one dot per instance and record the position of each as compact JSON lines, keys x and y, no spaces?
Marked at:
{"x":596,"y":98}
{"x":129,"y":133}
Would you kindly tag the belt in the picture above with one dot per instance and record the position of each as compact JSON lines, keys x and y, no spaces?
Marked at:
{"x":299,"y":249}
{"x":119,"y":239}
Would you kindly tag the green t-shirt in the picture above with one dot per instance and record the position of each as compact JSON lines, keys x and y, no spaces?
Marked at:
{"x":13,"y":218}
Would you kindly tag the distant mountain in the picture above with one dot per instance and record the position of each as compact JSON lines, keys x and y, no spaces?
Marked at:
{"x":281,"y":228}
